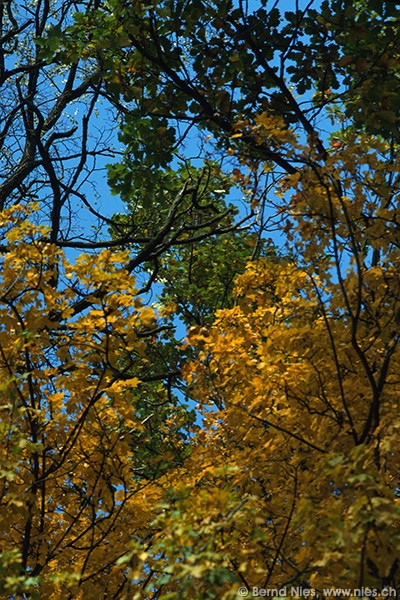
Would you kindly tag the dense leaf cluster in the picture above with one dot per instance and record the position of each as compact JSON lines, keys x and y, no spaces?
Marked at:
{"x":230,"y":172}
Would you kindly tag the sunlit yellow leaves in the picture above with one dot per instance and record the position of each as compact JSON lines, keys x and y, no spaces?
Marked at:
{"x":68,"y":409}
{"x":343,"y":201}
{"x":294,"y":472}
{"x":120,"y":387}
{"x":274,"y":126}
{"x":147,"y":315}
{"x":294,"y":371}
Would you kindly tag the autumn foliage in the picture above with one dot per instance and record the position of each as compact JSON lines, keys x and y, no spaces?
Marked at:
{"x":68,"y":493}
{"x":295,"y":478}
{"x":199,"y":391}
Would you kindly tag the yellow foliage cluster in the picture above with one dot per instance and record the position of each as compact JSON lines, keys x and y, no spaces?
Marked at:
{"x":69,"y":501}
{"x":309,"y":423}
{"x":295,"y":478}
